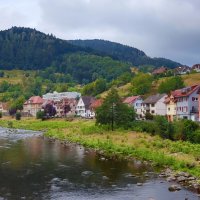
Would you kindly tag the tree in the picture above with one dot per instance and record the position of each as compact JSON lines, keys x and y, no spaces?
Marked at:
{"x":171,"y":84}
{"x":18,"y":116}
{"x":141,"y":84}
{"x":113,"y":112}
{"x":49,"y":110}
{"x":40,"y":115}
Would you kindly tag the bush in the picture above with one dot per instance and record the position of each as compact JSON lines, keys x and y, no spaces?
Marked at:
{"x":18,"y":116}
{"x":40,"y":115}
{"x":148,"y":116}
{"x":195,"y":137}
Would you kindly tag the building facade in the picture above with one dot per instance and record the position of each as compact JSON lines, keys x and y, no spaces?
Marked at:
{"x":83,"y":107}
{"x":183,"y":104}
{"x":33,"y":105}
{"x":155,"y":105}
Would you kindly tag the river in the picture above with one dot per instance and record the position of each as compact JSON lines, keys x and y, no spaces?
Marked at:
{"x":32,"y":167}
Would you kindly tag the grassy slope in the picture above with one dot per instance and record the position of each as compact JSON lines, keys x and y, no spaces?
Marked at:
{"x":190,"y":79}
{"x":181,"y":156}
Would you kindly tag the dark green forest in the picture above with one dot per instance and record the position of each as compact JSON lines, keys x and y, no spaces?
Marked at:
{"x":124,"y":53}
{"x":29,"y":49}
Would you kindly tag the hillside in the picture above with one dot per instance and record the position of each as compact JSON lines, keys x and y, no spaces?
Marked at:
{"x":124,"y":53}
{"x":28,"y":49}
{"x":189,"y":80}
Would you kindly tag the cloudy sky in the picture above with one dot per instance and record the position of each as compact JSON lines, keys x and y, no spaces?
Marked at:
{"x":161,"y":28}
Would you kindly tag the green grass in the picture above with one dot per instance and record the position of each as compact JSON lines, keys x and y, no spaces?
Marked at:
{"x":181,"y":156}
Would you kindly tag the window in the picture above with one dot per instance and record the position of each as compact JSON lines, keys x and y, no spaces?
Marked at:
{"x":152,"y":111}
{"x":168,"y":109}
{"x":152,"y":105}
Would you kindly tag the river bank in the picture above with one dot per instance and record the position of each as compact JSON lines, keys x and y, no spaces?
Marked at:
{"x":181,"y":157}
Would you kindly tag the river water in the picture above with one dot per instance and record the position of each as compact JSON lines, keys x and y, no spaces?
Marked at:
{"x":32,"y":167}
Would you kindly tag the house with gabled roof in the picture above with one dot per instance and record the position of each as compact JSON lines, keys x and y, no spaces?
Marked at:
{"x":161,"y":70}
{"x":136,"y":103}
{"x":154,"y":105}
{"x":83,"y":107}
{"x":182,"y":70}
{"x":33,"y":105}
{"x":183,"y":103}
{"x":196,"y":67}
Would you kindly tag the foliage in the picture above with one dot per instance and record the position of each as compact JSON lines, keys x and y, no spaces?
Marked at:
{"x":171,"y":84}
{"x":141,"y":84}
{"x":49,"y":110}
{"x":18,"y":116}
{"x":148,"y":116}
{"x":40,"y":115}
{"x":95,"y":87}
{"x":113,"y":112}
{"x":124,"y":53}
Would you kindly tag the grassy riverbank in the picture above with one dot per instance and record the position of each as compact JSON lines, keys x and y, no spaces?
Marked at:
{"x":181,"y":156}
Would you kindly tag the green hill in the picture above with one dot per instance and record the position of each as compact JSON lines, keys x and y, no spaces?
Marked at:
{"x":85,"y":61}
{"x":124,"y":53}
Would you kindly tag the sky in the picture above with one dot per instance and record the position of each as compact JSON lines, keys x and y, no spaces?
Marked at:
{"x":161,"y":28}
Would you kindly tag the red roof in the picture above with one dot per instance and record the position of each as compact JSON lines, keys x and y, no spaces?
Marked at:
{"x":97,"y":103}
{"x":185,"y":91}
{"x":130,"y":100}
{"x":35,"y":100}
{"x":160,"y":70}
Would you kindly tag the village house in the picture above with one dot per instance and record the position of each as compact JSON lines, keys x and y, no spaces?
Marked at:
{"x":136,"y":103}
{"x":181,"y":70}
{"x":154,"y":105}
{"x":196,"y":67}
{"x":32,"y":106}
{"x":83,"y":108}
{"x":55,"y":96}
{"x":161,"y":70}
{"x":183,"y":104}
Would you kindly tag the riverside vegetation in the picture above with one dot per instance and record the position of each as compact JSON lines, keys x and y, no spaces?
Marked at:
{"x":178,"y":155}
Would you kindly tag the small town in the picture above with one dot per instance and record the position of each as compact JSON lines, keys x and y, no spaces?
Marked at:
{"x":99,"y":100}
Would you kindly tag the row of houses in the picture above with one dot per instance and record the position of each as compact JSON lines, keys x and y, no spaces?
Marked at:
{"x":66,"y":103}
{"x":181,"y":70}
{"x":179,"y":104}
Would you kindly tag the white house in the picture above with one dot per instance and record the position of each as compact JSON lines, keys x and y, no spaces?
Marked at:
{"x":154,"y":105}
{"x":136,"y":103}
{"x":83,"y":107}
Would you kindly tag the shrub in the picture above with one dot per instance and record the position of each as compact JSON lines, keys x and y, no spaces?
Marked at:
{"x":195,"y":137}
{"x":18,"y":116}
{"x":40,"y":115}
{"x":148,"y":116}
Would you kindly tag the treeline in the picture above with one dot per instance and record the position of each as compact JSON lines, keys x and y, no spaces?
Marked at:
{"x":28,"y":49}
{"x":124,"y":53}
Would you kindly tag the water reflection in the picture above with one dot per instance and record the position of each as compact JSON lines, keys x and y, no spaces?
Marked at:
{"x":37,"y":168}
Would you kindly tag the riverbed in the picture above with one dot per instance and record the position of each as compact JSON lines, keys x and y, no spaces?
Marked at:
{"x":34,"y":167}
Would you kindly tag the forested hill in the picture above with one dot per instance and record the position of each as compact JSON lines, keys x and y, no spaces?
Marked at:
{"x":85,"y":61}
{"x":26,"y":48}
{"x":124,"y":53}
